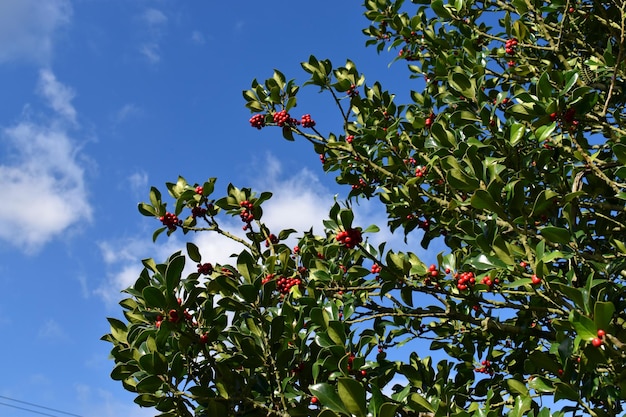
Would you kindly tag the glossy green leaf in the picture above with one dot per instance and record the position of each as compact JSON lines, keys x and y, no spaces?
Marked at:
{"x":328,"y":397}
{"x":585,"y":327}
{"x":516,"y":133}
{"x":149,"y":384}
{"x":603,"y":314}
{"x":387,"y":410}
{"x":154,"y":297}
{"x":482,"y":200}
{"x":517,"y":387}
{"x":555,"y":234}
{"x":245,"y":265}
{"x":118,"y":329}
{"x":541,"y":385}
{"x":173,"y":273}
{"x":439,"y":8}
{"x":352,"y":394}
{"x":420,"y":403}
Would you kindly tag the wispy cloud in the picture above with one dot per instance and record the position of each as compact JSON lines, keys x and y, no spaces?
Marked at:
{"x":59,"y":96}
{"x":51,"y":331}
{"x":127,"y":112}
{"x":154,"y":17}
{"x":28,"y":29}
{"x":154,"y":22}
{"x":42,"y":178}
{"x":151,"y":51}
{"x":138,"y":182}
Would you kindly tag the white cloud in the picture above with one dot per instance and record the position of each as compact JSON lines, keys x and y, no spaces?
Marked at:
{"x":42,"y":179}
{"x":123,"y":258}
{"x":126,"y":112}
{"x":151,"y":52}
{"x":28,"y":28}
{"x":154,"y":17}
{"x":299,"y":202}
{"x":154,"y":23}
{"x":137,"y":181}
{"x":58,"y":95}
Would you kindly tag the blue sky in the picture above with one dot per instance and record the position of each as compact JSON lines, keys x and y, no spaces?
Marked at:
{"x":103,"y":98}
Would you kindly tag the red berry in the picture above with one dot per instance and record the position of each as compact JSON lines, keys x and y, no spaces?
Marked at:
{"x":596,"y":342}
{"x":314,"y":400}
{"x":535,"y":280}
{"x":601,"y":333}
{"x":258,"y":121}
{"x":173,"y":314}
{"x":204,"y":338}
{"x":306,"y":121}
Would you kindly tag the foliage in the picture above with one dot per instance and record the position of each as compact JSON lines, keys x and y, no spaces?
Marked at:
{"x":512,"y":153}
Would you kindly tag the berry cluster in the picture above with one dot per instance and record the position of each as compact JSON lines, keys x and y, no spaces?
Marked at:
{"x":306,"y":121}
{"x":597,"y":341}
{"x":205,"y":269}
{"x":408,"y":54}
{"x":258,"y":121}
{"x":283,"y":285}
{"x":267,"y":278}
{"x":361,"y":184}
{"x":464,"y":280}
{"x":349,"y":138}
{"x":510,"y":45}
{"x":246,"y":212}
{"x":199,"y":189}
{"x":489,"y":282}
{"x":433,"y":271}
{"x":485,"y":368}
{"x":349,"y":238}
{"x":174,"y":316}
{"x":170,"y":220}
{"x":198,"y":211}
{"x":420,"y":171}
{"x":376,"y":269}
{"x":282,"y":117}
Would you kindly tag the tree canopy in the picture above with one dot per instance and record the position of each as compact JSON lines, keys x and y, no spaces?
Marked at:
{"x":511,"y":152}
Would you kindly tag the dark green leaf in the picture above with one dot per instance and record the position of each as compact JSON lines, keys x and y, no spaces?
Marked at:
{"x":555,"y":234}
{"x":154,"y":298}
{"x":328,"y":397}
{"x":193,"y":252}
